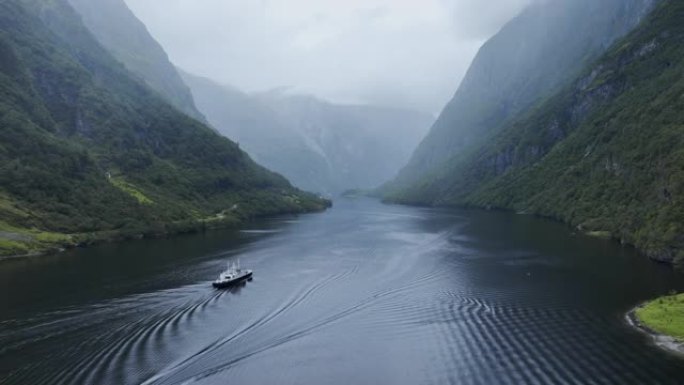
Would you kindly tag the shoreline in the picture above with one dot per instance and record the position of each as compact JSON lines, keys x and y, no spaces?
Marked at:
{"x":663,"y":341}
{"x":162,"y":230}
{"x":661,"y":256}
{"x":85,"y":240}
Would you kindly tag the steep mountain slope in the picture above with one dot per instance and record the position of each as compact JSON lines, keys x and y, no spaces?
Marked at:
{"x":364,"y":145}
{"x":85,"y":147}
{"x":127,"y":39}
{"x":534,"y":54}
{"x":318,"y":145}
{"x":606,"y":154}
{"x":259,"y":131}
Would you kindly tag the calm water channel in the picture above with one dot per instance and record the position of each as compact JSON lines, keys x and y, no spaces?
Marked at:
{"x":362,"y":294}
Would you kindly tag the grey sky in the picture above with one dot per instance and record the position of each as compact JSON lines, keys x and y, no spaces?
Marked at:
{"x":409,"y":53}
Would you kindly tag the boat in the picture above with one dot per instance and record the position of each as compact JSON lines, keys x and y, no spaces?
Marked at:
{"x":231,"y":276}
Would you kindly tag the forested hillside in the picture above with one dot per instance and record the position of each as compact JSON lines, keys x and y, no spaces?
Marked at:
{"x":318,"y":145}
{"x":85,"y":147}
{"x":605,"y":154}
{"x":533,"y":55}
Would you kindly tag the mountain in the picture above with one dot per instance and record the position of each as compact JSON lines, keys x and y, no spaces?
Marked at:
{"x":87,"y":150}
{"x":261,"y":132}
{"x":319,"y":146}
{"x":116,"y":27}
{"x":533,"y":55}
{"x":363,"y":145}
{"x":603,"y":154}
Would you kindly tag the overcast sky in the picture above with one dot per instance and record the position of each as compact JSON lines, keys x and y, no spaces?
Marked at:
{"x":407,"y":53}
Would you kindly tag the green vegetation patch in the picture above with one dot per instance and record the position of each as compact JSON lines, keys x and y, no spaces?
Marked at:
{"x":600,"y":234}
{"x":10,"y":247}
{"x":131,"y":190}
{"x":664,"y":315}
{"x":9,"y":208}
{"x":19,"y":241}
{"x":48,"y":237}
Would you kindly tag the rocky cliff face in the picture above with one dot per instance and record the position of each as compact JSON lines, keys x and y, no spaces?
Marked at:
{"x":531,"y":57}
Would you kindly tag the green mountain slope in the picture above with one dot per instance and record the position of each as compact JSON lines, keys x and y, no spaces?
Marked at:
{"x":85,"y":147}
{"x":127,"y":39}
{"x":606,"y":154}
{"x":530,"y":58}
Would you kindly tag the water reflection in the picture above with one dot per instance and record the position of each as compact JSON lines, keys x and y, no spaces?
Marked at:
{"x":365,"y":293}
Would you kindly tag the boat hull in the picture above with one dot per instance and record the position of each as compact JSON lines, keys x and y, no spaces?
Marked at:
{"x":224,"y":284}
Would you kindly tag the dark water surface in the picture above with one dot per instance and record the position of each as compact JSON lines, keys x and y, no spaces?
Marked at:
{"x":362,"y":294}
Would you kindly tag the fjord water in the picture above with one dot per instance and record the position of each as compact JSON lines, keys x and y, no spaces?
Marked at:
{"x":362,"y":294}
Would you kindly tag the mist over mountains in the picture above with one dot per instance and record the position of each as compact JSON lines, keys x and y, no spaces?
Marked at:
{"x":533,"y":54}
{"x":406,"y":54}
{"x":319,"y":146}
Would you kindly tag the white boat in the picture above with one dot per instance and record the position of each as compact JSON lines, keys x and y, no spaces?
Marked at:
{"x":234,"y":274}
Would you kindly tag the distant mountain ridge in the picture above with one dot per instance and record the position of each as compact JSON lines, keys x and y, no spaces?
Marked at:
{"x":319,"y":146}
{"x":89,"y":151}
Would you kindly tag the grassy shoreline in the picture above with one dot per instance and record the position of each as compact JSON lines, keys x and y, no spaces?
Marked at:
{"x":663,"y":320}
{"x":665,"y":254}
{"x":664,"y":315}
{"x":18,"y":242}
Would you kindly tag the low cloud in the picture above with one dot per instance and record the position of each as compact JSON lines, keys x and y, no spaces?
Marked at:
{"x":388,"y":52}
